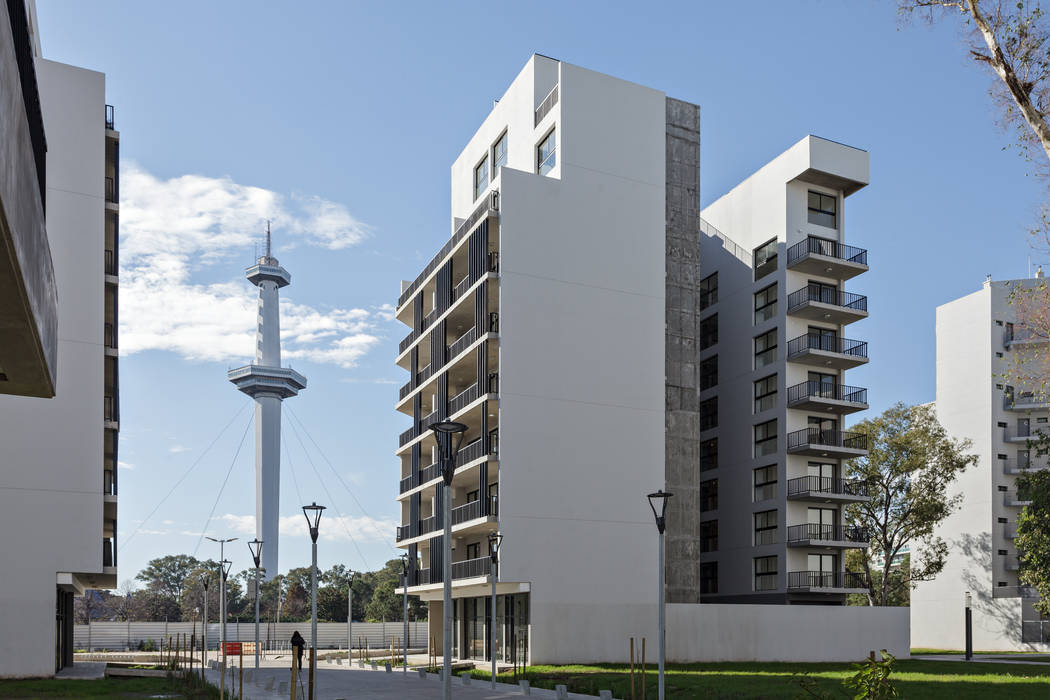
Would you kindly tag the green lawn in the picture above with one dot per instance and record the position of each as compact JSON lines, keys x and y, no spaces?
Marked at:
{"x":103,"y":688}
{"x":949,"y":680}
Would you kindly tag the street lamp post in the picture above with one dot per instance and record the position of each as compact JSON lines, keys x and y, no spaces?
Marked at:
{"x":404,"y":614}
{"x":255,"y":547}
{"x":313,"y":519}
{"x":349,"y":618}
{"x":495,"y":539}
{"x":969,"y":628}
{"x":660,"y":499}
{"x":449,"y":436}
{"x":204,"y":579}
{"x":224,"y":570}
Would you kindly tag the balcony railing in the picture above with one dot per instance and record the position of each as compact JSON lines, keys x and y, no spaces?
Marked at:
{"x":547,"y":105}
{"x":109,"y":337}
{"x":468,"y":511}
{"x":462,"y":343}
{"x":109,"y":411}
{"x":111,"y":190}
{"x":832,"y":249}
{"x":826,"y":533}
{"x":1020,"y":433}
{"x":825,"y":390}
{"x":1024,"y":398}
{"x":471,"y":568}
{"x":107,"y":552}
{"x":824,"y":484}
{"x":109,"y":484}
{"x":109,"y":116}
{"x":1014,"y":592}
{"x":111,"y":263}
{"x":417,"y":430}
{"x":825,"y":579}
{"x":464,"y":398}
{"x":827,"y":438}
{"x":818,"y":341}
{"x":826,"y":295}
{"x":1035,"y":631}
{"x":1024,"y":334}
{"x":1015,"y":467}
{"x":1016,"y":499}
{"x":461,"y":288}
{"x":467,"y":453}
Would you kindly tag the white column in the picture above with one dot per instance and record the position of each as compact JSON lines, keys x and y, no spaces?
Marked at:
{"x":268,"y":335}
{"x":268,"y":477}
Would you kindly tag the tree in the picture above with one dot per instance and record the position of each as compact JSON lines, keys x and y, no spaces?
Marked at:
{"x":910,"y":465}
{"x":167,"y":575}
{"x":1012,"y":39}
{"x":1033,"y":535}
{"x":91,"y":606}
{"x":385,"y":604}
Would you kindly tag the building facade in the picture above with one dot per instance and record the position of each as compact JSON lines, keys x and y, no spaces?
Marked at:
{"x":775,"y":343}
{"x":58,"y":475}
{"x":978,"y":340}
{"x":557,"y":324}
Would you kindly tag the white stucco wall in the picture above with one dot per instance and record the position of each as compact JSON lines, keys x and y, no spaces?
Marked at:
{"x":51,"y":474}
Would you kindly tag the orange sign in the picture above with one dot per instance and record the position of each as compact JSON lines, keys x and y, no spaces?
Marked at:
{"x":232,"y":648}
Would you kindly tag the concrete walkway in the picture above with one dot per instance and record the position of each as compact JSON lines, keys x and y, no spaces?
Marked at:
{"x":986,"y":658}
{"x":341,"y":683}
{"x":84,"y":670}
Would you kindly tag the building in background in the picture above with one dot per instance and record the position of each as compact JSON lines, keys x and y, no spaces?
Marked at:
{"x":58,"y":475}
{"x":978,"y":336}
{"x":557,"y":323}
{"x":28,"y":298}
{"x":774,"y":347}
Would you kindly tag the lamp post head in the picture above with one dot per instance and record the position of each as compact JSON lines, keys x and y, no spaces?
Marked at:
{"x":205,"y":579}
{"x":968,"y":600}
{"x":659,"y":500}
{"x":404,"y":564}
{"x":313,"y":518}
{"x":495,"y":540}
{"x":255,"y":547}
{"x":226,"y":564}
{"x":449,"y":435}
{"x":350,"y":578}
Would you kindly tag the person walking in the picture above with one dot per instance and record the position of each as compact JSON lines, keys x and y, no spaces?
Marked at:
{"x":298,"y":643}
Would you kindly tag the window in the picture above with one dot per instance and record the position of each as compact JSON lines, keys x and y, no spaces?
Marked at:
{"x":1002,"y":521}
{"x":1003,"y":552}
{"x":766,"y":349}
{"x":766,"y":393}
{"x":765,"y":573}
{"x":709,"y":536}
{"x":708,"y":291}
{"x":822,"y":209}
{"x":709,"y":372}
{"x":764,"y":258}
{"x":1000,"y":456}
{"x":1008,"y":334}
{"x":709,"y":413}
{"x":1002,"y":489}
{"x":709,"y":494}
{"x":998,"y":354}
{"x":709,"y":577}
{"x":474,"y":551}
{"x":765,"y":483}
{"x":708,"y":331}
{"x":546,"y":156}
{"x":499,"y":154}
{"x":708,"y":454}
{"x":765,"y":304}
{"x":481,"y":177}
{"x":765,"y":438}
{"x":765,"y":527}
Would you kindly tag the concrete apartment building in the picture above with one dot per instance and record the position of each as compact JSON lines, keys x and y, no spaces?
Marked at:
{"x":58,"y":460}
{"x":978,"y":338}
{"x":774,"y":347}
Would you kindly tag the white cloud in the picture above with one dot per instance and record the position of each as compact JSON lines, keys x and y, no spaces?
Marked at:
{"x":334,"y":528}
{"x":172,"y":229}
{"x":125,"y":465}
{"x":178,"y":449}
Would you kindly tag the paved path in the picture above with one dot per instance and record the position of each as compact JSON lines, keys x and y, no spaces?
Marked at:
{"x":341,"y":683}
{"x":984,"y":658}
{"x":84,"y":670}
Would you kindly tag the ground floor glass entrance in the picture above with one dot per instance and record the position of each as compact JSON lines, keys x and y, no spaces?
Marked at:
{"x":472,"y":619}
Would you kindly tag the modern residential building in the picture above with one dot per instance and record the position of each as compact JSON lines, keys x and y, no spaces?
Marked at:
{"x":558,"y":323}
{"x":28,"y":300}
{"x":774,"y":347}
{"x":978,"y":339}
{"x":58,"y":473}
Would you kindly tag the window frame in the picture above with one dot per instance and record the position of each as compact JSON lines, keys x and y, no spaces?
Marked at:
{"x":542,"y":161}
{"x":480,"y":189}
{"x":760,"y":536}
{"x":708,"y":582}
{"x":762,"y":261}
{"x":708,"y":291}
{"x":760,"y":570}
{"x":760,"y":495}
{"x":770,"y":305}
{"x":704,"y":420}
{"x":814,"y":215}
{"x":768,"y":397}
{"x":496,"y":163}
{"x":709,"y":500}
{"x":708,"y":539}
{"x":763,"y":442}
{"x":705,"y":334}
{"x":706,"y":373}
{"x":768,"y":353}
{"x":711,"y":455}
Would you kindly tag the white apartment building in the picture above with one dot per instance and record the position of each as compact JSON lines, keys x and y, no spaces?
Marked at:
{"x":775,"y":342}
{"x":978,"y":337}
{"x":58,"y":457}
{"x":547,"y":324}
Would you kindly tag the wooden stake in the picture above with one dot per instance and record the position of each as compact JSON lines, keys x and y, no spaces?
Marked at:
{"x":295,"y":671}
{"x":643,"y":669}
{"x":312,"y":652}
{"x":632,"y":668}
{"x":241,"y":665}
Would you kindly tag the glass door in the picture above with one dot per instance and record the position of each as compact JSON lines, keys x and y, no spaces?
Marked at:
{"x":822,"y":570}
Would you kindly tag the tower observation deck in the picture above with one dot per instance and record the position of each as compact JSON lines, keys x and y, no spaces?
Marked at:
{"x":269,"y":384}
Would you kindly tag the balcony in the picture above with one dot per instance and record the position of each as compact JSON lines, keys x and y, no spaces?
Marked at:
{"x":109,"y":117}
{"x":462,"y":519}
{"x":109,"y":335}
{"x":1012,"y":467}
{"x":111,"y":190}
{"x":1035,"y":631}
{"x":816,"y":535}
{"x":827,"y":489}
{"x":1013,"y":564}
{"x":819,"y":256}
{"x":111,"y":263}
{"x":1019,"y":435}
{"x":1014,"y":592}
{"x":1022,"y":335}
{"x":837,"y":444}
{"x":1026,"y":401}
{"x":453,"y":352}
{"x":1010,"y":531}
{"x":825,"y":397}
{"x":820,"y":350}
{"x":469,"y":568}
{"x":817,"y":303}
{"x":1016,"y":499}
{"x":826,"y":582}
{"x":109,"y":555}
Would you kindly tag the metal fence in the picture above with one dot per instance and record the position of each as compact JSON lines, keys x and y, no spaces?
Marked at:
{"x":100,"y":636}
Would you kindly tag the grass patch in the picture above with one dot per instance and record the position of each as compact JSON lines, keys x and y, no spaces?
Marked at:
{"x":24,"y":689}
{"x":957,"y":652}
{"x":936,"y":680}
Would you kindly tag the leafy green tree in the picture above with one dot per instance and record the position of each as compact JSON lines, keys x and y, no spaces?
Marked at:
{"x":152,"y":606}
{"x":900,"y":592}
{"x":1033,"y":536}
{"x":910,"y":466}
{"x":167,"y":575}
{"x":385,"y":604}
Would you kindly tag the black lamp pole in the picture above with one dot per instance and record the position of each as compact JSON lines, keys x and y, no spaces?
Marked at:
{"x":495,"y":539}
{"x":313,"y":511}
{"x":255,"y":547}
{"x":969,"y":628}
{"x":659,"y":499}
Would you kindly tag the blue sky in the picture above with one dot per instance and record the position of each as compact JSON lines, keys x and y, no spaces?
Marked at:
{"x":340,"y":121}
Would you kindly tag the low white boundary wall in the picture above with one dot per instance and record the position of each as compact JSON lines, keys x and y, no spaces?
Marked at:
{"x":713,"y":632}
{"x":330,"y":635}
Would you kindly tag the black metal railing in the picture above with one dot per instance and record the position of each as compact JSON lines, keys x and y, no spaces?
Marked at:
{"x":460,"y":401}
{"x":111,"y":263}
{"x":111,"y":190}
{"x":825,"y":579}
{"x":109,"y":337}
{"x":109,"y":117}
{"x":461,"y":288}
{"x":462,"y":343}
{"x":471,"y":568}
{"x":407,"y":340}
{"x":109,"y":484}
{"x":827,"y":295}
{"x":827,"y":438}
{"x":827,"y":533}
{"x":108,"y":408}
{"x":547,"y":105}
{"x":491,"y":203}
{"x":814,"y":389}
{"x":818,"y":341}
{"x":468,"y":511}
{"x":825,"y":484}
{"x":417,"y":430}
{"x":832,"y":249}
{"x":468,"y":453}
